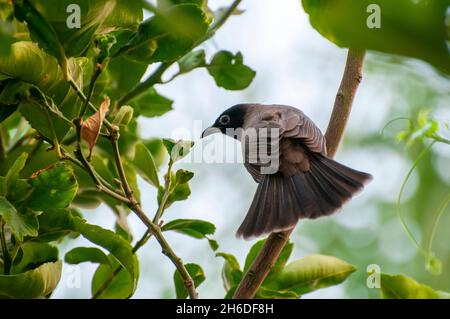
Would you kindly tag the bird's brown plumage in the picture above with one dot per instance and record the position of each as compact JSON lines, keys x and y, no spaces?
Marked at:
{"x":305,"y":184}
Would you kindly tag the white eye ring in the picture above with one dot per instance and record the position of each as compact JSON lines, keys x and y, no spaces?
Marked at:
{"x":224,"y":119}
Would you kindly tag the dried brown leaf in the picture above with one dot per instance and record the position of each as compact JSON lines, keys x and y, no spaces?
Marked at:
{"x":90,"y":129}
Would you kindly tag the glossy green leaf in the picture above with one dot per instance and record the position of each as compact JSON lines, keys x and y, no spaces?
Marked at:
{"x":311,"y":273}
{"x":86,"y":254}
{"x":123,"y":116}
{"x":179,"y":190}
{"x":177,"y":149}
{"x":411,"y":28}
{"x":124,"y":74}
{"x":6,"y":38}
{"x":231,"y":271}
{"x":53,"y":188}
{"x":265,"y":293}
{"x":27,"y":63}
{"x":197,"y":276}
{"x":42,"y":32}
{"x":122,"y":286}
{"x":151,"y":104}
{"x":96,"y":16}
{"x":191,"y":227}
{"x":21,"y":224}
{"x":143,"y":161}
{"x":229,"y":71}
{"x":49,"y":121}
{"x":64,"y":220}
{"x":34,"y":254}
{"x":403,"y":287}
{"x":279,"y":264}
{"x":191,"y":61}
{"x":168,"y":35}
{"x":13,"y":173}
{"x":36,"y":283}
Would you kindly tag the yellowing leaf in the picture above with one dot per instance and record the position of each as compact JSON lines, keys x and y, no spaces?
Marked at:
{"x":90,"y":129}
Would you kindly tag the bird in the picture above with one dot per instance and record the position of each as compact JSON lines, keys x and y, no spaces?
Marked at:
{"x":305,"y":183}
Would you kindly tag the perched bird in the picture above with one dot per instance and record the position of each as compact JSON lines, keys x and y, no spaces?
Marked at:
{"x":304,"y":184}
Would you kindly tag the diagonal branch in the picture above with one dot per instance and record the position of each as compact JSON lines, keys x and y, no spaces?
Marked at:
{"x":264,"y":262}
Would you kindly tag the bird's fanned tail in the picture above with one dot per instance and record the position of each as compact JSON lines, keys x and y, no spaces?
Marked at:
{"x":280,"y":201}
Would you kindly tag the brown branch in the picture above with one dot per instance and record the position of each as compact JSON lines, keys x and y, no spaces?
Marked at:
{"x":264,"y":262}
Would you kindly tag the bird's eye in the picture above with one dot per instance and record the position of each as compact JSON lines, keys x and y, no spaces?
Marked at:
{"x":224,"y":119}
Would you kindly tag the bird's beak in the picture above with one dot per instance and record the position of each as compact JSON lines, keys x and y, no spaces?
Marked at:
{"x":209,"y":131}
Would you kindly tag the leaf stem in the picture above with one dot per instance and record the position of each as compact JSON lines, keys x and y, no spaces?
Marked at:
{"x":94,"y":78}
{"x":399,"y":198}
{"x":152,"y":227}
{"x":84,"y":99}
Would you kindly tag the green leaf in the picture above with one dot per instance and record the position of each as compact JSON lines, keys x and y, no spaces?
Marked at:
{"x":229,"y":71}
{"x":6,"y":38}
{"x":168,"y":35}
{"x":13,"y":173}
{"x":191,"y":227}
{"x":126,"y":14}
{"x":415,"y":29}
{"x":122,"y":286}
{"x":86,"y":254}
{"x":97,"y":16}
{"x":144,"y":164}
{"x":180,"y":189}
{"x":39,"y":110}
{"x":213,"y":244}
{"x":197,"y":276}
{"x":179,"y":193}
{"x":36,"y":283}
{"x":41,"y":32}
{"x":177,"y":149}
{"x":124,"y":115}
{"x":231,"y":271}
{"x":151,"y":104}
{"x":311,"y":273}
{"x":279,"y":264}
{"x":403,"y":287}
{"x":50,"y":122}
{"x":63,"y":220}
{"x":53,"y":188}
{"x":183,"y":176}
{"x":33,"y":255}
{"x":21,"y":224}
{"x":27,"y":63}
{"x":191,"y":61}
{"x":265,"y":293}
{"x":124,"y":74}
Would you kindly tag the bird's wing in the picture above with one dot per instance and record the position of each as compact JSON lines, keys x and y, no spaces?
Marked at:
{"x":297,"y":135}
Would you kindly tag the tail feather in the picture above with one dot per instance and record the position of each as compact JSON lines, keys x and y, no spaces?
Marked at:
{"x":280,"y":201}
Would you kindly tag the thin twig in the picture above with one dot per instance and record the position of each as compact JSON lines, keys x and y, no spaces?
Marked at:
{"x":83,"y":98}
{"x":141,"y":242}
{"x":264,"y":262}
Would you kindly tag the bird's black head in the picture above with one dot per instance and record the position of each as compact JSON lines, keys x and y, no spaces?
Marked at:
{"x":233,"y":118}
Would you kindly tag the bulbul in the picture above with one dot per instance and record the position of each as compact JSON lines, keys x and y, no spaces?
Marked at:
{"x":304,"y":184}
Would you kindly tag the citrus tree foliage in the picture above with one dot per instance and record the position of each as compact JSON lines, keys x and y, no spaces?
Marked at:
{"x":71,"y":95}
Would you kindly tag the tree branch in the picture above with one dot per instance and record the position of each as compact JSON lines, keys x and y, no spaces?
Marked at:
{"x":264,"y":262}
